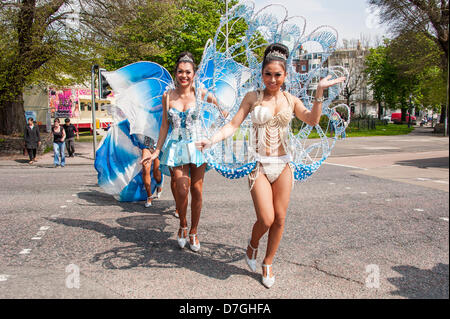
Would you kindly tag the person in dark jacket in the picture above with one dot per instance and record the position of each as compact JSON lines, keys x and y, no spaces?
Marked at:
{"x":71,"y":130}
{"x":32,"y":139}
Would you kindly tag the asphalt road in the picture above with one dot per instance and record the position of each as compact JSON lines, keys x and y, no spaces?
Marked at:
{"x":371,"y":223}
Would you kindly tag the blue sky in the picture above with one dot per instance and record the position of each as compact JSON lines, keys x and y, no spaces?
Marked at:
{"x":350,"y":18}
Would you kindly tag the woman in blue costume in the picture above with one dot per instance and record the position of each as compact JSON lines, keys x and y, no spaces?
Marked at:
{"x":180,"y":158}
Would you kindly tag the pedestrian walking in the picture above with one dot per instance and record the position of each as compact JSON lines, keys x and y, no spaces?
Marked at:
{"x":59,"y":136}
{"x":70,"y":131}
{"x":32,"y":139}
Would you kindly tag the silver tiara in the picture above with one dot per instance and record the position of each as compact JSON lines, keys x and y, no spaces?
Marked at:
{"x":276,"y":54}
{"x":185,"y":58}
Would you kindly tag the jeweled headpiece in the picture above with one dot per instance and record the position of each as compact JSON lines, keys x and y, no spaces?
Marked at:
{"x":276,"y":54}
{"x":186,"y":58}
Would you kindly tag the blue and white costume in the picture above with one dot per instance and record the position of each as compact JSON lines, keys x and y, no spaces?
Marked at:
{"x":234,"y":157}
{"x":228,"y":73}
{"x":137,"y":112}
{"x":179,"y":148}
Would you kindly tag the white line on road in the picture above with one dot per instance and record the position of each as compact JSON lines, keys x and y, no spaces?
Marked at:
{"x":348,"y":166}
{"x":444,"y":218}
{"x":388,"y":200}
{"x":423,"y":179}
{"x":36,"y":238}
{"x":25,"y":251}
{"x":4,"y":277}
{"x":418,"y":209}
{"x":441,"y":182}
{"x":364,"y":193}
{"x":69,"y":201}
{"x":44,"y":228}
{"x":63,"y":206}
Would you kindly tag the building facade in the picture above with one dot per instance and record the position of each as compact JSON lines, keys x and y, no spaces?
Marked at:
{"x":357,"y":94}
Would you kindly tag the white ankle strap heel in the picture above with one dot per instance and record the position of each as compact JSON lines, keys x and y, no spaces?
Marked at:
{"x":267,"y":280}
{"x":182,"y":240}
{"x":251,"y":262}
{"x":195,"y":247}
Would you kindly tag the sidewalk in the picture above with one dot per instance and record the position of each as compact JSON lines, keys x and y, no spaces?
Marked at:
{"x":83,"y":156}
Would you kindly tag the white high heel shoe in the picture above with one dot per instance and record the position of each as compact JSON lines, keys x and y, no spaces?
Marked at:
{"x":195,"y":247}
{"x":148,"y":203}
{"x":251,"y":262}
{"x":182,"y":240}
{"x":266,"y":280}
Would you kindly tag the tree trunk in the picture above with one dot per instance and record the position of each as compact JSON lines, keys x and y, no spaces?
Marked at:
{"x":12,"y":116}
{"x":443,"y":113}
{"x":380,"y":110}
{"x":404,"y":113}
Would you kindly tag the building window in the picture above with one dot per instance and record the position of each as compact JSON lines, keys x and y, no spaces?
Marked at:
{"x":82,"y":106}
{"x":303,"y":68}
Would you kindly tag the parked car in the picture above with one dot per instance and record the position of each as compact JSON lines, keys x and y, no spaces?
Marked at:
{"x":397,"y":118}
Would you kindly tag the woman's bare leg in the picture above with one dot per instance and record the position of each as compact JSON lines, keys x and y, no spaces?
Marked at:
{"x":157,"y":175}
{"x":262,"y":200}
{"x":281,"y":190}
{"x":197,"y":176}
{"x":146,"y":173}
{"x":173,"y":188}
{"x":181,"y":175}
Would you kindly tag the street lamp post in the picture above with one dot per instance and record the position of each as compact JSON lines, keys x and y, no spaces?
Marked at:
{"x":410,"y":110}
{"x":94,"y":127}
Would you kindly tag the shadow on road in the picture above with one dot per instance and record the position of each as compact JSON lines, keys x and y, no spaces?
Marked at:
{"x":417,"y":283}
{"x":152,"y":247}
{"x":441,"y":162}
{"x":97,"y":198}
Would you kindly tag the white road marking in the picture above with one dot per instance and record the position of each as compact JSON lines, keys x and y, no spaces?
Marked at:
{"x":348,"y":188}
{"x":418,"y":209}
{"x":348,"y":166}
{"x":69,"y":201}
{"x":375,"y":148}
{"x":4,"y":277}
{"x":36,"y":238}
{"x":25,"y":251}
{"x":423,"y":179}
{"x":75,"y":195}
{"x":44,"y":228}
{"x":63,"y":206}
{"x":331,"y":183}
{"x":444,"y":218}
{"x":388,"y":200}
{"x":441,"y":182}
{"x":360,"y":193}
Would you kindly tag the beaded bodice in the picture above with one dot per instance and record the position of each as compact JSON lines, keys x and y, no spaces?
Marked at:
{"x":183,"y":124}
{"x":270,"y":132}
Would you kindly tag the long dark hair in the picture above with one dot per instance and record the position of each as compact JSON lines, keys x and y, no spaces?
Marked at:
{"x":276,"y":48}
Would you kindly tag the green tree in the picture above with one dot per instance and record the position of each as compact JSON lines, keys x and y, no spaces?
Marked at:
{"x":381,"y":76}
{"x":427,"y":18}
{"x":39,"y":43}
